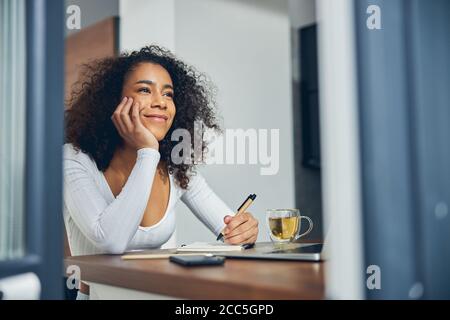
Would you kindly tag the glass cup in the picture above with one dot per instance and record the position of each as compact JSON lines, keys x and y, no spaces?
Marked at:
{"x":284,"y":225}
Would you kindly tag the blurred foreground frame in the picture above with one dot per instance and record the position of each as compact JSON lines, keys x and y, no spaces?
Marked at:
{"x":403,"y":83}
{"x":44,"y":137}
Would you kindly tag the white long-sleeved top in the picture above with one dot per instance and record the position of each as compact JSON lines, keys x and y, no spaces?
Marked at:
{"x":97,"y":222}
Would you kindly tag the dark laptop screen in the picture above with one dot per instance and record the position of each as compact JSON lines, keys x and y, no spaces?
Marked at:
{"x":315,"y":248}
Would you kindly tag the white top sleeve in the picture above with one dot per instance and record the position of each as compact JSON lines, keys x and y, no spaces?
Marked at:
{"x":110,"y":227}
{"x":205,"y":204}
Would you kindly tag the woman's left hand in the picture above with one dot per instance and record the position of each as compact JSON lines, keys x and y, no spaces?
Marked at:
{"x":241,"y":229}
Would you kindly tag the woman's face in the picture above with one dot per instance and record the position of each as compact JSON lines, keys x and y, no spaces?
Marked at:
{"x":151,"y":86}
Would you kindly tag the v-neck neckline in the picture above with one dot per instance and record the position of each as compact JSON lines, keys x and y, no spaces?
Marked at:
{"x":112,"y":198}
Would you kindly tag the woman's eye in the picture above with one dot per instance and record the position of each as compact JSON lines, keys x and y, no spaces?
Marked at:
{"x":169,"y":94}
{"x":145,"y":90}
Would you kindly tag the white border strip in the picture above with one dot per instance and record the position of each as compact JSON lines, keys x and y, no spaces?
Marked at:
{"x":340,"y":149}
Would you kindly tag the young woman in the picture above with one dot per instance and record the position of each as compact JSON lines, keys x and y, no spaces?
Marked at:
{"x":120,"y":181}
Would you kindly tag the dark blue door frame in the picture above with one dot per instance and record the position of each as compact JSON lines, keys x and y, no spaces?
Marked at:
{"x":404,"y":106}
{"x":431,"y":131}
{"x":44,"y":139}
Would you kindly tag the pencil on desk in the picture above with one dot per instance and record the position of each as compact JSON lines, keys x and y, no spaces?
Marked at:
{"x":160,"y":255}
{"x":240,"y":210}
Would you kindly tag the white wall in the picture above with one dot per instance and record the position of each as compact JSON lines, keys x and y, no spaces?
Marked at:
{"x":143,"y":22}
{"x":244,"y":46}
{"x":302,"y":12}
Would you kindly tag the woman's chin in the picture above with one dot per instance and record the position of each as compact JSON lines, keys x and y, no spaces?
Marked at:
{"x":158,"y":133}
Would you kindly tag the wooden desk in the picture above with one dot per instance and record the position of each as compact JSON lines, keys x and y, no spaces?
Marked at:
{"x":237,"y":279}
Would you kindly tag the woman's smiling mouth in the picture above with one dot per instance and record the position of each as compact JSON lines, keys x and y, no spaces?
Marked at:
{"x":157,"y":117}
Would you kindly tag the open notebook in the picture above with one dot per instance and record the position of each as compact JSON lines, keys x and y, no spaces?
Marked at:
{"x":208,"y":247}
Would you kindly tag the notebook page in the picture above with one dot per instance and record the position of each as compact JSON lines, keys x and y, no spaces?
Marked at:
{"x":208,"y":247}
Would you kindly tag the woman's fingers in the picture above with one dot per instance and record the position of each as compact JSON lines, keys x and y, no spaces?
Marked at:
{"x":128,"y":122}
{"x":136,"y":117}
{"x":242,"y":229}
{"x":245,"y":237}
{"x":135,"y":114}
{"x":227,"y":219}
{"x":121,"y":104}
{"x":235,"y":222}
{"x":251,"y":239}
{"x":248,"y":225}
{"x":116,"y":115}
{"x":125,"y":115}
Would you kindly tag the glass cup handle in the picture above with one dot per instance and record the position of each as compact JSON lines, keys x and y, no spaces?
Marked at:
{"x":311,"y":225}
{"x":268,"y":227}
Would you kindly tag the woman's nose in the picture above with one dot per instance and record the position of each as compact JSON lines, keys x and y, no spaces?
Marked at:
{"x":158,"y":102}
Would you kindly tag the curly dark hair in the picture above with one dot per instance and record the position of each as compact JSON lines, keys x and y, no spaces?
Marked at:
{"x":98,"y":92}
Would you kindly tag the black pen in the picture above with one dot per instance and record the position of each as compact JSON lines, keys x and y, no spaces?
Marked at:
{"x":240,"y":210}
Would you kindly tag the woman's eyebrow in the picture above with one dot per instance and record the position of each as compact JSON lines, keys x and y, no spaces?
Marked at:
{"x":149,"y":82}
{"x":145,"y":82}
{"x":167,"y":86}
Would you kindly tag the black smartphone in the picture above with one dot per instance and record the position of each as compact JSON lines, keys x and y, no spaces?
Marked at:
{"x":197,"y":260}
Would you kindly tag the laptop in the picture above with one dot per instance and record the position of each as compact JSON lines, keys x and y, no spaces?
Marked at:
{"x":288,"y":251}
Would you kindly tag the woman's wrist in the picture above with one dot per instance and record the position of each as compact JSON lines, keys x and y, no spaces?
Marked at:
{"x":149,"y":146}
{"x":147,"y":150}
{"x":148,"y":154}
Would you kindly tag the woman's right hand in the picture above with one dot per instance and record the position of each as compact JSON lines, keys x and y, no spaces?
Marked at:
{"x":127,"y":120}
